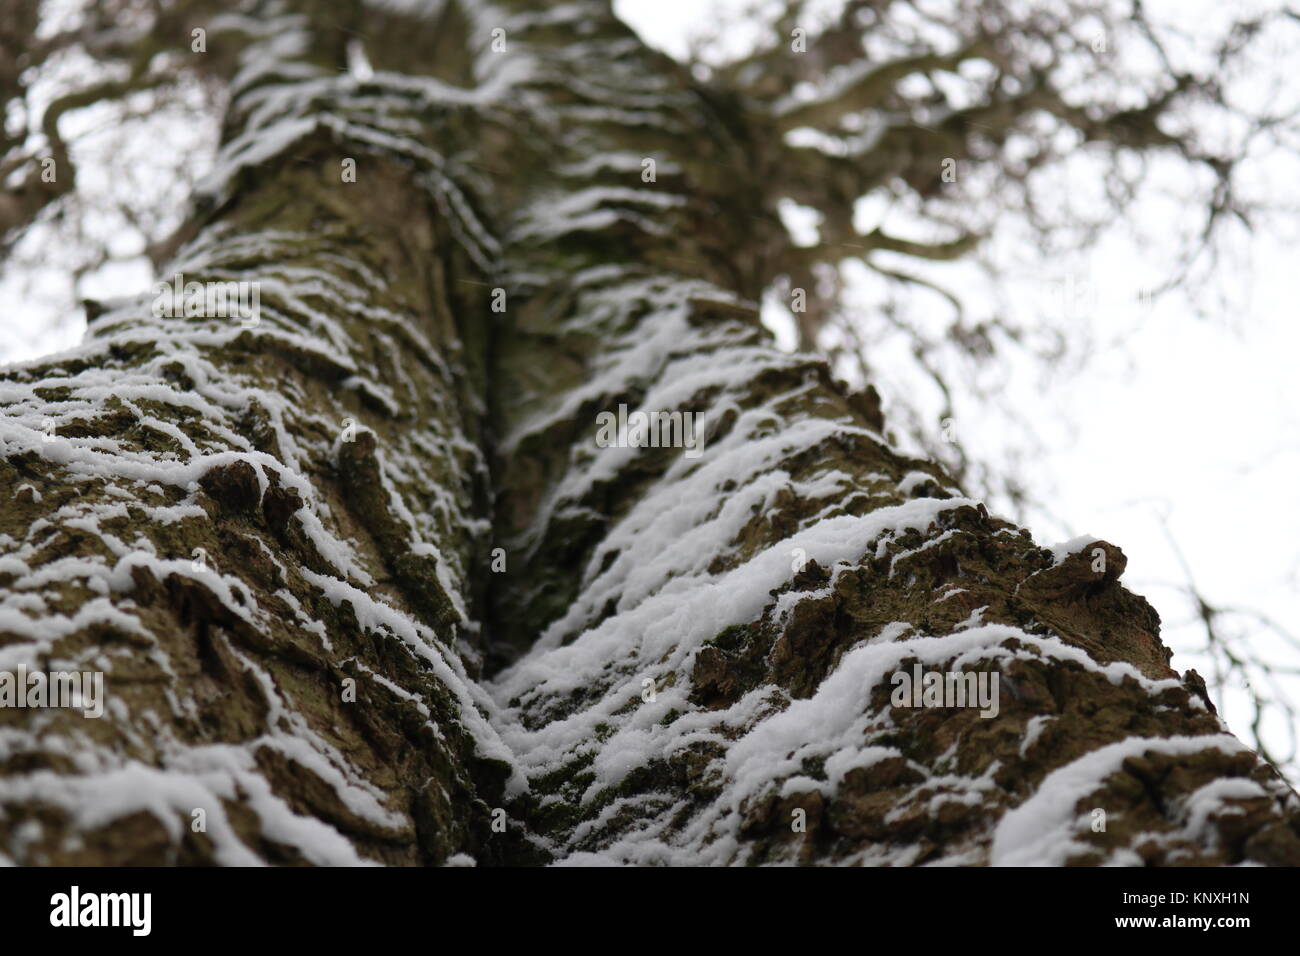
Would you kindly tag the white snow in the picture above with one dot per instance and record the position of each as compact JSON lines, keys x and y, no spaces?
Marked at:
{"x":1041,"y":831}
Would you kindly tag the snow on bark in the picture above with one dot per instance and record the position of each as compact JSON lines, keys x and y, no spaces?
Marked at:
{"x":263,"y":529}
{"x":705,"y":669}
{"x":690,"y":659}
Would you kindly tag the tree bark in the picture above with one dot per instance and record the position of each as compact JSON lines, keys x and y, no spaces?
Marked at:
{"x":685,"y":659}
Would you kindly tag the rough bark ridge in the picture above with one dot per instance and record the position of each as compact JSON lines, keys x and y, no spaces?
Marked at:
{"x":765,"y":591}
{"x":303,"y":679}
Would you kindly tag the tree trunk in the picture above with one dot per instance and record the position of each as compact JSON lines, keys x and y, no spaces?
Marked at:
{"x":434,"y":617}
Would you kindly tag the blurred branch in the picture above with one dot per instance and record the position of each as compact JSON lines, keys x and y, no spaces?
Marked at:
{"x":869,"y":90}
{"x":1239,"y":658}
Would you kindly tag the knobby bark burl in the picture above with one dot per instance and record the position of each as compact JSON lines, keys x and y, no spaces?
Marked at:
{"x":684,"y":659}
